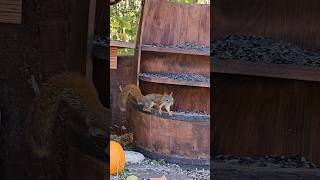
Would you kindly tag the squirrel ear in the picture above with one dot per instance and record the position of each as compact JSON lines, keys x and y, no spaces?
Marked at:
{"x":171,"y":93}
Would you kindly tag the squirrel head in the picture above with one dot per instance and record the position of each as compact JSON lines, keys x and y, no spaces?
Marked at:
{"x":168,"y":99}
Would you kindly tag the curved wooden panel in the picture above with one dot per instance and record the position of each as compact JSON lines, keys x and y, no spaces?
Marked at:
{"x":186,"y":98}
{"x":180,"y":116}
{"x":171,"y":138}
{"x":169,"y":23}
{"x":168,"y":26}
{"x":294,"y":21}
{"x":156,"y":62}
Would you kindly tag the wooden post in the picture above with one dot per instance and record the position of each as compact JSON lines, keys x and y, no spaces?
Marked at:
{"x":90,"y":40}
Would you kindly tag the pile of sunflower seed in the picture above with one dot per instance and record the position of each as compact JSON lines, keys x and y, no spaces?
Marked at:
{"x":178,"y":76}
{"x":184,"y":45}
{"x":262,"y":49}
{"x":266,"y":161}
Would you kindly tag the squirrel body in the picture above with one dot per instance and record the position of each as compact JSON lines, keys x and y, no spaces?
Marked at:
{"x":148,"y":101}
{"x":46,"y":129}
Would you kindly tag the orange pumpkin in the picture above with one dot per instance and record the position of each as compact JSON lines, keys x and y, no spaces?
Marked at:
{"x":117,"y":158}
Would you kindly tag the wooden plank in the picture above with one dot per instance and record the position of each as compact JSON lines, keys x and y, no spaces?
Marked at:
{"x":186,"y":98}
{"x":156,"y":62}
{"x":175,"y":50}
{"x":227,"y":171}
{"x":174,"y":82}
{"x":293,"y":21}
{"x":171,"y":138}
{"x":285,"y":71}
{"x":261,"y":115}
{"x":90,"y":38}
{"x":79,"y":26}
{"x":162,"y":27}
{"x":113,"y":58}
{"x":121,"y":44}
{"x":11,"y":11}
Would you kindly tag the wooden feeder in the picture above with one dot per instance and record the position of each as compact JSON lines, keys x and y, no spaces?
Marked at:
{"x":260,"y":108}
{"x":183,"y":138}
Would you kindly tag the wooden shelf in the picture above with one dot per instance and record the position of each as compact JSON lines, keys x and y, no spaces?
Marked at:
{"x":179,"y":116}
{"x":164,"y":80}
{"x":174,"y":50}
{"x":120,"y":44}
{"x":285,"y":71}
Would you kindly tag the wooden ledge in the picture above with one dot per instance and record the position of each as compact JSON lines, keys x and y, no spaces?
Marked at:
{"x":121,"y":44}
{"x":173,"y":81}
{"x":175,"y":50}
{"x":179,"y":116}
{"x":285,"y":71}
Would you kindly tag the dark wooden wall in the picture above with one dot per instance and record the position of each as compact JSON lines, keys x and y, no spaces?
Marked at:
{"x":295,"y":21}
{"x":123,"y":75}
{"x":260,"y":115}
{"x":52,"y":38}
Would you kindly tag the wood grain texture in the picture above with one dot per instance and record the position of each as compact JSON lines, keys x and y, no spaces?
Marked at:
{"x":266,"y":109}
{"x":293,"y":21}
{"x":186,"y":98}
{"x":175,"y":50}
{"x":172,"y":138}
{"x":123,"y":75}
{"x":157,"y":62}
{"x":174,"y":23}
{"x":285,"y":71}
{"x":113,"y":57}
{"x":120,"y":44}
{"x":259,"y":115}
{"x":166,"y":23}
{"x":46,"y":42}
{"x":11,"y":11}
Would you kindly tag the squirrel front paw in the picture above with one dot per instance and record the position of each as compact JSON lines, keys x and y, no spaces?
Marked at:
{"x":147,"y":110}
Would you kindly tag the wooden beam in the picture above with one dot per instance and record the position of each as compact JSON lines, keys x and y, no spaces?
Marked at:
{"x":90,"y":40}
{"x":120,"y":44}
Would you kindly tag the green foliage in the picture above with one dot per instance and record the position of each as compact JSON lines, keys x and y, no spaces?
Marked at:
{"x":124,"y":22}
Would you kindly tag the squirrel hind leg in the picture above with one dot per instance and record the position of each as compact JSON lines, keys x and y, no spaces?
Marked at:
{"x":147,"y":106}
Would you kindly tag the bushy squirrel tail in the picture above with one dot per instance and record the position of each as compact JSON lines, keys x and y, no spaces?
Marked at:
{"x":131,"y":89}
{"x":74,"y":91}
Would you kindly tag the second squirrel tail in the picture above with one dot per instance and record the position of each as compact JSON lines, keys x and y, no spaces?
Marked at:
{"x":131,"y":89}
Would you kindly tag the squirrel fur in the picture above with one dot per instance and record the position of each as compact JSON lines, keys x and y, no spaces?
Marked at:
{"x":45,"y":130}
{"x":148,"y":101}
